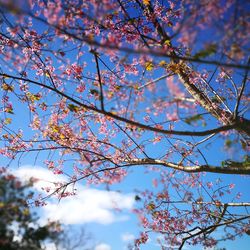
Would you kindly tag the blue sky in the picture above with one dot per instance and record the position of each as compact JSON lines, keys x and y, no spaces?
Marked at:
{"x":107,"y":214}
{"x":95,"y":209}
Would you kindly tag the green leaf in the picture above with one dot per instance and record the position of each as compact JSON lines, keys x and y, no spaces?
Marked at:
{"x":237,"y":164}
{"x":73,"y":108}
{"x":94,"y":92}
{"x":209,"y":50}
{"x":243,"y":144}
{"x":228,"y":143}
{"x":216,"y":99}
{"x":194,"y":118}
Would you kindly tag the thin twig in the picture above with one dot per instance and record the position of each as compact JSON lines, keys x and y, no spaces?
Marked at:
{"x":128,"y":121}
{"x":241,"y":91}
{"x":99,"y":80}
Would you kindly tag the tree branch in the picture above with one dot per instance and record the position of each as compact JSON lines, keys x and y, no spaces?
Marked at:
{"x":224,"y":116}
{"x":123,"y":119}
{"x":99,"y":80}
{"x":107,"y":45}
{"x":190,"y":169}
{"x":241,"y":91}
{"x":227,"y":222}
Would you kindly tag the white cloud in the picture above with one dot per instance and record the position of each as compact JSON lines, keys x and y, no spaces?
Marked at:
{"x":127,"y":237}
{"x":103,"y":246}
{"x":50,"y":246}
{"x":89,"y":205}
{"x":45,"y":177}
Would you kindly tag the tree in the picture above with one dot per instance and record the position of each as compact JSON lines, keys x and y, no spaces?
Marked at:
{"x":15,"y":215}
{"x":19,"y":227}
{"x":71,"y":239}
{"x":114,"y":84}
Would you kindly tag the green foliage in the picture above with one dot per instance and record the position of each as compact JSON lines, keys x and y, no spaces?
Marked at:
{"x":243,"y":144}
{"x":228,"y":143}
{"x":194,"y":119}
{"x":15,"y":213}
{"x":209,"y":50}
{"x":217,"y":99}
{"x":73,"y":108}
{"x":237,"y":164}
{"x":94,"y":92}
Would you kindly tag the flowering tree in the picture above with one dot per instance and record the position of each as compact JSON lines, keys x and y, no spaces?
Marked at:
{"x":109,"y":85}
